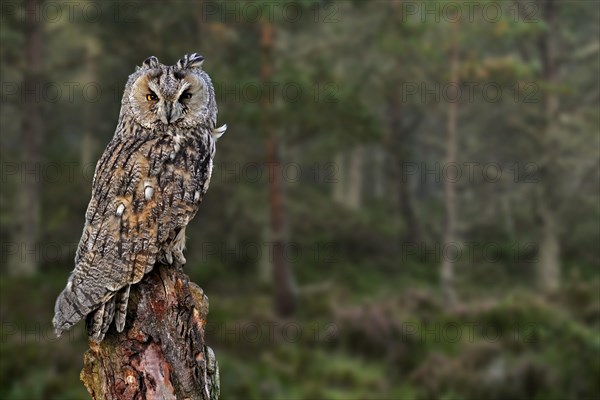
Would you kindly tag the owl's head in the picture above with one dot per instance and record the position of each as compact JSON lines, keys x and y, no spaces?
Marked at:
{"x":181,"y":95}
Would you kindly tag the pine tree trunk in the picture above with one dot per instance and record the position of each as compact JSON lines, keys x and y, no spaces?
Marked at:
{"x":397,"y":143}
{"x":549,"y":257}
{"x":285,"y":291}
{"x":339,"y":186}
{"x":447,"y":268}
{"x":548,"y":267}
{"x":379,"y":172}
{"x":355,"y":178}
{"x":161,"y":354}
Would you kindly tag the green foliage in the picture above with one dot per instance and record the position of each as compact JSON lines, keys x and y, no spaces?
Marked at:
{"x":406,"y":346}
{"x":402,"y":344}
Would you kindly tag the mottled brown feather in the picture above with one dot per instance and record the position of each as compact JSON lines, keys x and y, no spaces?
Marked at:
{"x":147,"y":186}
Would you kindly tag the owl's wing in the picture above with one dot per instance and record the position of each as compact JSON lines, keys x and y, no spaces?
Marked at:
{"x":130,"y":215}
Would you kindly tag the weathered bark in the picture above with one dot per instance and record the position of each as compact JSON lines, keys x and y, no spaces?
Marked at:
{"x":26,"y":260}
{"x":161,"y":354}
{"x":447,"y":268}
{"x":285,"y":291}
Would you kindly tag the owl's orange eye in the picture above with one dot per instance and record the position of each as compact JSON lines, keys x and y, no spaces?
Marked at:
{"x":151,"y":97}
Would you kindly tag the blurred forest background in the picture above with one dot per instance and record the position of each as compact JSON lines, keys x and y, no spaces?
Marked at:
{"x":405,"y":204}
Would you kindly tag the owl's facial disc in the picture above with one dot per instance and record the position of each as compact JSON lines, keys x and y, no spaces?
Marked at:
{"x":168,"y":99}
{"x":180,"y":95}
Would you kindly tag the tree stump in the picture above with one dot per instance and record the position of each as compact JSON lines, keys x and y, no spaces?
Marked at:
{"x":161,"y":353}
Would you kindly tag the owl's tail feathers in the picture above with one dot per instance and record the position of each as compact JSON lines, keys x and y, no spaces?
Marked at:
{"x":122,"y":299}
{"x":115,"y":308}
{"x":72,"y":306}
{"x":68,"y":310}
{"x":218,"y":132}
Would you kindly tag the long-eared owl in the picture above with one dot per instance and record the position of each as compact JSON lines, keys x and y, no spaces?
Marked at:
{"x":147,"y":187}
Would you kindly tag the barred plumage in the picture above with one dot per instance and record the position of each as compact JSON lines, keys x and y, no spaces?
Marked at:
{"x":147,"y":186}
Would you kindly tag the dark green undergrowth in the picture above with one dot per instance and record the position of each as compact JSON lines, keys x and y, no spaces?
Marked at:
{"x":346,"y":343}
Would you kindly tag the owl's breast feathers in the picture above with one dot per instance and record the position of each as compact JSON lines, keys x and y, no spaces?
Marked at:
{"x":146,"y":189}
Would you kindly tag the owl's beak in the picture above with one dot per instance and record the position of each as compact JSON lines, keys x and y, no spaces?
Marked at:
{"x":168,"y":113}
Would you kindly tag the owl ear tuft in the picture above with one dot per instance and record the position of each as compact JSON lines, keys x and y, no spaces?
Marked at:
{"x":193,"y":60}
{"x":151,"y":62}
